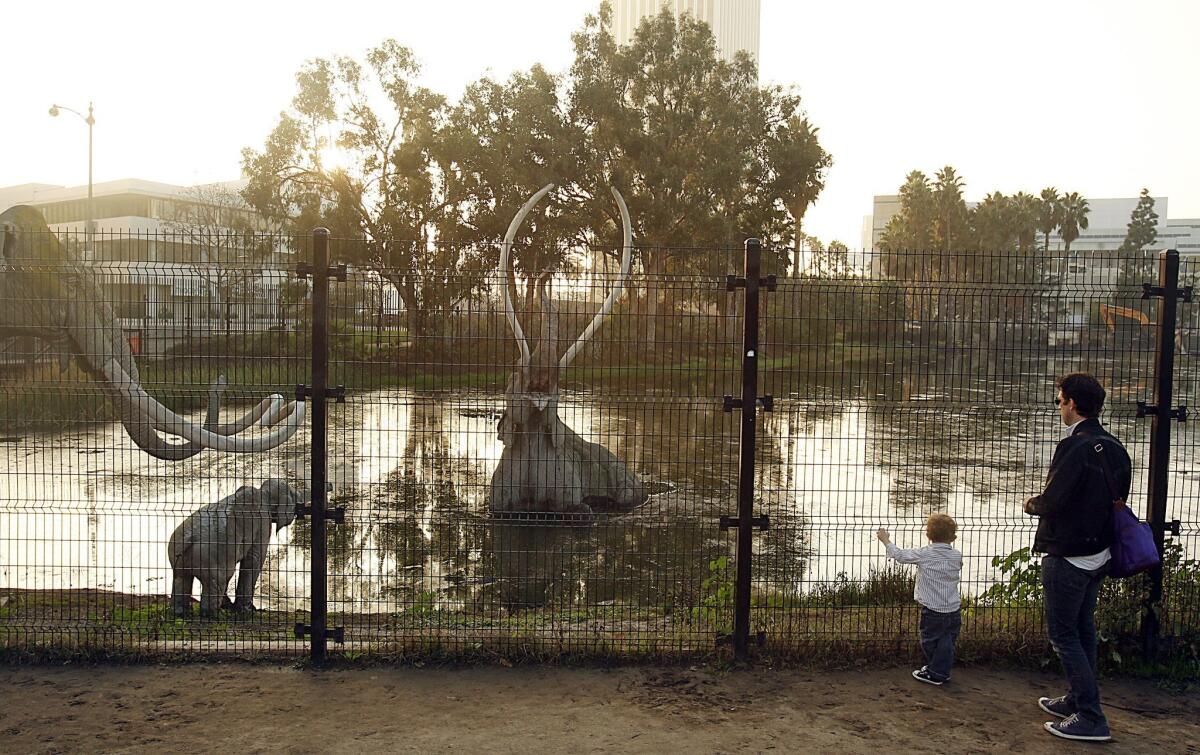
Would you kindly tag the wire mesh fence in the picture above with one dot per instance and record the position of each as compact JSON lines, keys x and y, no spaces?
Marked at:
{"x":100,"y":333}
{"x":545,"y":494}
{"x":928,"y":390}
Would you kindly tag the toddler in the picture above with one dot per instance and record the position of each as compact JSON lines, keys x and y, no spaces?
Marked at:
{"x":938,"y":567}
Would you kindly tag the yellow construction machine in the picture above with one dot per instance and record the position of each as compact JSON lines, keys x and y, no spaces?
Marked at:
{"x":1110,"y":313}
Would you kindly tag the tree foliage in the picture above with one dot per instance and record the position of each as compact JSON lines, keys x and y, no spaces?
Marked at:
{"x":213,"y":233}
{"x":1142,"y":230}
{"x":503,"y":142}
{"x":935,"y":219}
{"x":1137,"y":266}
{"x":831,"y":261}
{"x":936,"y":238}
{"x":703,"y":155}
{"x":390,"y":193}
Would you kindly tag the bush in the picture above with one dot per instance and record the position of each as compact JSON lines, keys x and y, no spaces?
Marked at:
{"x":1121,"y":606}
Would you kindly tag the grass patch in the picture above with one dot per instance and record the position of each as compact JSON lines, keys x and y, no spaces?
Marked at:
{"x":41,"y":399}
{"x":836,"y":629}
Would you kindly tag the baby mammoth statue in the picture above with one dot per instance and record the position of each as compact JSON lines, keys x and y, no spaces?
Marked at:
{"x":212,"y":541}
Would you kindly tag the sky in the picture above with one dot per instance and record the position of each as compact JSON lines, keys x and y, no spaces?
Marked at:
{"x":1091,"y":96}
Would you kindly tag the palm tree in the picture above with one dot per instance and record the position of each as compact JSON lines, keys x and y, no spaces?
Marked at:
{"x":950,"y":226}
{"x":992,"y":222}
{"x":1049,"y":214}
{"x":951,"y":209}
{"x":1025,"y":215}
{"x":801,"y":164}
{"x":1074,"y":211}
{"x":1025,"y":218}
{"x":916,"y":212}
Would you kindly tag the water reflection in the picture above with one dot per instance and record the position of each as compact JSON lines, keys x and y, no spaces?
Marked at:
{"x":413,"y":469}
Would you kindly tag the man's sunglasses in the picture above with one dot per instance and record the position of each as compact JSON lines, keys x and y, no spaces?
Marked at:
{"x":1058,"y":401}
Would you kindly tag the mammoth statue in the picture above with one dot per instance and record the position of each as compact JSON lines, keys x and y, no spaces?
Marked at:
{"x":212,"y":541}
{"x":47,"y":293}
{"x":545,"y":466}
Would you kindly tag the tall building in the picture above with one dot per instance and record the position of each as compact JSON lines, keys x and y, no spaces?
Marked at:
{"x":734,"y":23}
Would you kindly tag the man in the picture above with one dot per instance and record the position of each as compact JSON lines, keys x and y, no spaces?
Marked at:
{"x":1074,"y":532}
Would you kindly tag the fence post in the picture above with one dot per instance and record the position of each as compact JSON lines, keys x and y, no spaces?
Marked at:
{"x":320,"y":270}
{"x":320,"y":379}
{"x":1160,"y":429}
{"x":745,"y":521}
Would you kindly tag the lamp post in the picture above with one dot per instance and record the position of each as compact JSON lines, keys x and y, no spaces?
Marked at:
{"x":90,"y":121}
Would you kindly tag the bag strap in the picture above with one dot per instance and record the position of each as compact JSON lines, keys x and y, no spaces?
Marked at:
{"x":1098,"y":447}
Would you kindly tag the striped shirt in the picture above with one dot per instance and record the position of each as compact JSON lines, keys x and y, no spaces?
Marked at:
{"x":938,"y":566}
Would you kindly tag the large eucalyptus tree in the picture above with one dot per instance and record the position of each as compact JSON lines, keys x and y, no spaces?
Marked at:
{"x":358,"y":152}
{"x":704,"y":155}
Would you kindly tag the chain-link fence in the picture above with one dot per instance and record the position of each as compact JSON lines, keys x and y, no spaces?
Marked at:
{"x":550,"y":493}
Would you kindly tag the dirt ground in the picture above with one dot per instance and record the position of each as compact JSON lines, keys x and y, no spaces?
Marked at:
{"x":257,"y":708}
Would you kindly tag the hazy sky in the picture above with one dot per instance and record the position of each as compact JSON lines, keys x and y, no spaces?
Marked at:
{"x":1095,"y":97}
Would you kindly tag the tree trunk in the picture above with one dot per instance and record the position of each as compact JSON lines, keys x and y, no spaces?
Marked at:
{"x":655,"y":267}
{"x":414,"y":316}
{"x":798,"y":244}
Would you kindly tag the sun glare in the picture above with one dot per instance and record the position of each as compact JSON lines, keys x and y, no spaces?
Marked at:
{"x":335,"y":158}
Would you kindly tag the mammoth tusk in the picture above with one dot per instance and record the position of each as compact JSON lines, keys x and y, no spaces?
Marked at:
{"x":276,"y":412}
{"x":147,"y":437}
{"x":167,"y":421}
{"x":611,"y":299}
{"x":144,"y":435}
{"x":268,"y":412}
{"x":505,"y":250}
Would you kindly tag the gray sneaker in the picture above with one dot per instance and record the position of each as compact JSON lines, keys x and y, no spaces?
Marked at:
{"x":1056,"y":706}
{"x":1074,"y":727}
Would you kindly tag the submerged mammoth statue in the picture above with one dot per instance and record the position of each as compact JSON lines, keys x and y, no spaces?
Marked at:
{"x":233,"y":531}
{"x":48,"y":293}
{"x":546,"y":466}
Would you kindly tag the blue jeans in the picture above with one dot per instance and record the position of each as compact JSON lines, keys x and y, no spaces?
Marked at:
{"x":939,"y":631}
{"x":1071,"y":624}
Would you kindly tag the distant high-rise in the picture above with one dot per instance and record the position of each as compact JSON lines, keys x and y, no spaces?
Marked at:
{"x":734,"y":23}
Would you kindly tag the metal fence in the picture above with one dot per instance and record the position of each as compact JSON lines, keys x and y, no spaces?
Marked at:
{"x":712,"y":480}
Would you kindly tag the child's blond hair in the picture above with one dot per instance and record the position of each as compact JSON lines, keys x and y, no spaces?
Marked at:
{"x":941,"y":528}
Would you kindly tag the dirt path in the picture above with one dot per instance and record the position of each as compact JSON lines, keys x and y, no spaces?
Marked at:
{"x":247,"y":708}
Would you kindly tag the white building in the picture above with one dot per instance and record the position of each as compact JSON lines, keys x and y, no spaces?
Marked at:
{"x":1108,"y":221}
{"x":167,"y":255}
{"x":131,"y":205}
{"x":734,"y":23}
{"x":1094,"y":263}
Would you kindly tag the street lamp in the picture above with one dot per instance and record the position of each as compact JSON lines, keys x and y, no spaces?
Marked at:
{"x":90,"y":121}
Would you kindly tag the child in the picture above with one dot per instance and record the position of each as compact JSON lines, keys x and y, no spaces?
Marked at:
{"x":938,"y":566}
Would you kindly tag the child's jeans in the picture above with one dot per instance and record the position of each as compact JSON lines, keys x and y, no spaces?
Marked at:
{"x":939,"y":631}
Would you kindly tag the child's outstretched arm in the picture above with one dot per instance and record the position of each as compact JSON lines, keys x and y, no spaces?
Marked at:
{"x":900,"y":555}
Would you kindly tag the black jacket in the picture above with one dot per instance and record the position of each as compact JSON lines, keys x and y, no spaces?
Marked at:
{"x":1076,"y":506}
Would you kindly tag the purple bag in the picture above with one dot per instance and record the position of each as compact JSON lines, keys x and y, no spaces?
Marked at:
{"x":1132,"y":548}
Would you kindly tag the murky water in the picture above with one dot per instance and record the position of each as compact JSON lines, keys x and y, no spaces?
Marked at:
{"x":82,"y":509}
